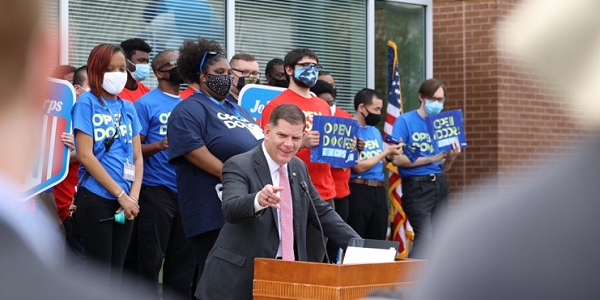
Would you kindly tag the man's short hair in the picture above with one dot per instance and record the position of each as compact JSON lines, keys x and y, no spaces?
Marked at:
{"x":294,"y":56}
{"x":80,"y":75}
{"x":322,"y":87}
{"x":131,"y":45}
{"x":158,"y":59}
{"x":289,"y":113}
{"x":365,"y":96}
{"x":430,"y":86}
{"x":324,"y":73}
{"x":272,"y":63}
{"x":244,"y":57}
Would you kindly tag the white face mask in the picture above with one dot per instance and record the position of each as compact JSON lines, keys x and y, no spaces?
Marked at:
{"x":114,"y":82}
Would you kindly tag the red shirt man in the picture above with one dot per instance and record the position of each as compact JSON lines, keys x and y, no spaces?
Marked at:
{"x":133,"y":95}
{"x":301,"y":67}
{"x":137,"y":54}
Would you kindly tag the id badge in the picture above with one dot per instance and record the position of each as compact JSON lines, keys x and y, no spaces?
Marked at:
{"x":129,"y":171}
{"x":256,"y":131}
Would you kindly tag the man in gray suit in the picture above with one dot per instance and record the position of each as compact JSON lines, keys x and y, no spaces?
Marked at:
{"x":254,"y":205}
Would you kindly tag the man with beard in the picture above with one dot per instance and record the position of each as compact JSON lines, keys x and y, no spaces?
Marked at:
{"x":302,"y":70}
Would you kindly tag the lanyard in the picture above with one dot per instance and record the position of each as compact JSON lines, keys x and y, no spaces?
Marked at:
{"x":122,"y":140}
{"x":219,"y":104}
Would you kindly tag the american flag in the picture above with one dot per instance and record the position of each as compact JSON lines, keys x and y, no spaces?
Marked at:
{"x":401,"y":230}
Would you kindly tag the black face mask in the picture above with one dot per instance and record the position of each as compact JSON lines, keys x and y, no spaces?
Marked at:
{"x":371,"y":119}
{"x":219,"y":84}
{"x":242,"y":81}
{"x":174,"y":76}
{"x":282,"y":83}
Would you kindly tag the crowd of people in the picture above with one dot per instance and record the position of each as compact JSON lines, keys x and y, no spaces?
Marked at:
{"x":506,"y":248}
{"x":160,"y":157}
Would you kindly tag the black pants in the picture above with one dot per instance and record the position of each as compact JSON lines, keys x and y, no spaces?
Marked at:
{"x":424,"y":203}
{"x":131,"y":264}
{"x":160,"y":236}
{"x":202,"y":244}
{"x":369,"y":212}
{"x":105,"y":243}
{"x":341,"y":207}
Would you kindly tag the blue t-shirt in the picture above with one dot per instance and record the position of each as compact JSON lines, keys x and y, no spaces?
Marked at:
{"x":153,"y":110}
{"x":373,"y":147}
{"x":196,"y":122}
{"x":412,"y":129}
{"x":100,"y":122}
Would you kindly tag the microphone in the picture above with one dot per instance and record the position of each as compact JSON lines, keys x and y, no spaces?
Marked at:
{"x":304,"y":187}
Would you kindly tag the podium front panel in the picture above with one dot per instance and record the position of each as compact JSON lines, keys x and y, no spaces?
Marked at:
{"x":276,"y":279}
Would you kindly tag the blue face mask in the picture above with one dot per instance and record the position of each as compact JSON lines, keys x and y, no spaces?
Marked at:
{"x":433,"y":107}
{"x":141,"y":72}
{"x":308,"y":75}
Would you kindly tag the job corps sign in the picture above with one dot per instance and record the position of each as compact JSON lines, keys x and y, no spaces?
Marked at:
{"x":445,"y":128}
{"x":335,"y":141}
{"x":254,"y":98}
{"x":52,"y":162}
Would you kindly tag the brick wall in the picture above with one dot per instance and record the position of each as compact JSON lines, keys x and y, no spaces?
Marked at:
{"x":514,"y":120}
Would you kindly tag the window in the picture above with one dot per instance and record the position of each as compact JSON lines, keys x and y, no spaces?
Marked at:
{"x":163,"y":24}
{"x":335,"y":30}
{"x":404,"y":24}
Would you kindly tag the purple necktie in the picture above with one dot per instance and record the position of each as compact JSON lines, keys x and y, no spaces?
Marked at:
{"x":287,"y":217}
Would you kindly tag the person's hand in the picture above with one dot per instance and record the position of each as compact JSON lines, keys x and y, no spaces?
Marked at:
{"x":129,"y":205}
{"x":267,"y":196}
{"x":310,"y":139}
{"x":72,"y":209}
{"x":360,"y":145}
{"x":354,"y":142}
{"x":439,"y":157}
{"x":394,"y":150}
{"x":68,"y":140}
{"x":452,"y":154}
{"x":163,"y":145}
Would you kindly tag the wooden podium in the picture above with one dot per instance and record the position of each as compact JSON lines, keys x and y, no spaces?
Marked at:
{"x":277,"y":279}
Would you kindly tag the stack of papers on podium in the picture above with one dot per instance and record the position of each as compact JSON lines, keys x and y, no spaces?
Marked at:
{"x":364,"y":251}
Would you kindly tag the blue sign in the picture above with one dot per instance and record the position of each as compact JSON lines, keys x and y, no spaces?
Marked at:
{"x":254,"y":98}
{"x":445,"y":128}
{"x":53,"y":160}
{"x":336,"y":135}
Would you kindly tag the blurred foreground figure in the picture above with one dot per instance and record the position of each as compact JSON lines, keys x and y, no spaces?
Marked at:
{"x":28,"y":253}
{"x":539,"y":241}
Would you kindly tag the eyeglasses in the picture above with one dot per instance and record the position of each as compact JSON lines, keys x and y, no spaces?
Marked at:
{"x":246,"y":73}
{"x":204,"y":58}
{"x":441,"y":99}
{"x":172,"y":64}
{"x":309,"y":64}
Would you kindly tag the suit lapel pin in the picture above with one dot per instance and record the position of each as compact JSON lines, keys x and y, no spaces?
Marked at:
{"x":293,"y":174}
